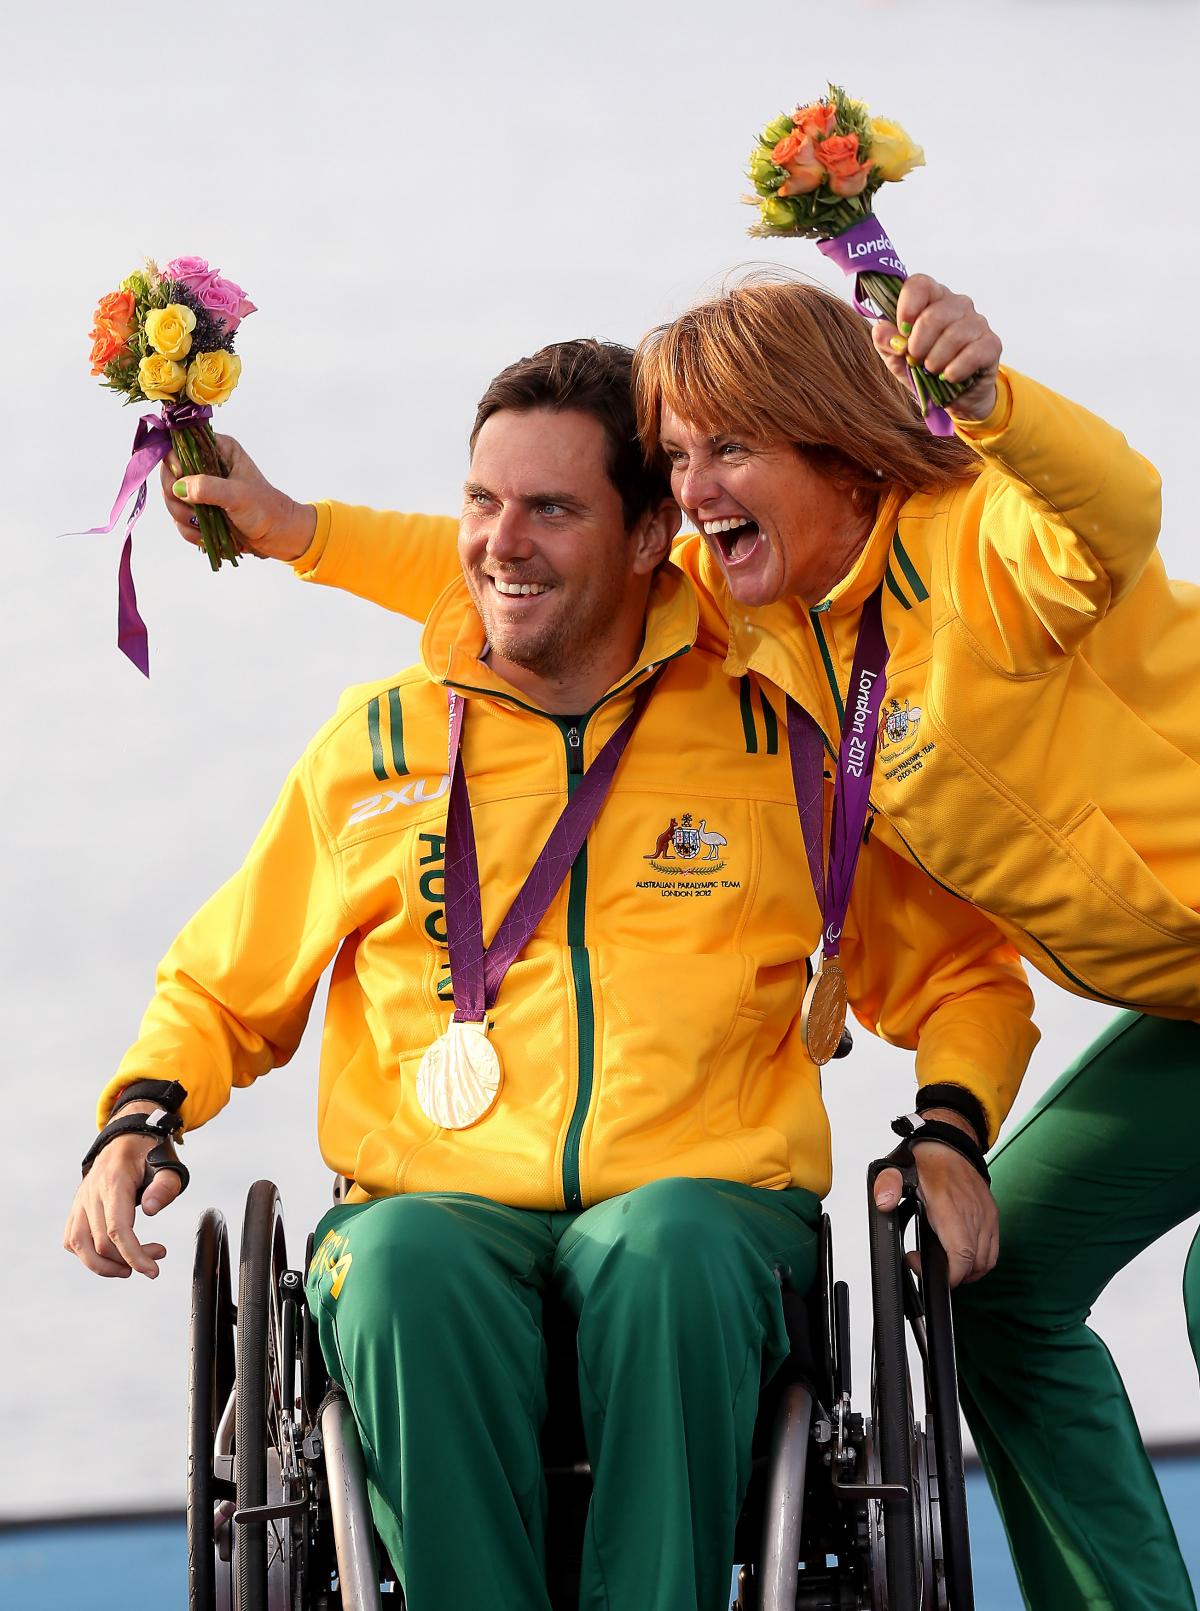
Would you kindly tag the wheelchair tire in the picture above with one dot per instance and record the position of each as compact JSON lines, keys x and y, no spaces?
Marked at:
{"x":941,"y":1396}
{"x":265,"y":1385}
{"x":210,"y":1382}
{"x":891,"y":1410}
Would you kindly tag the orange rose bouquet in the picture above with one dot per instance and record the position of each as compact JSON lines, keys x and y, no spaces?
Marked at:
{"x":166,"y":336}
{"x":816,"y":172}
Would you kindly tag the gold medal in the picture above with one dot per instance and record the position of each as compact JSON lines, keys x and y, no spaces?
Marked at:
{"x":823,"y":1015}
{"x":459,"y":1077}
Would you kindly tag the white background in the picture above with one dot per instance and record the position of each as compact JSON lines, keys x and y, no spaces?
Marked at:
{"x":416,"y":195}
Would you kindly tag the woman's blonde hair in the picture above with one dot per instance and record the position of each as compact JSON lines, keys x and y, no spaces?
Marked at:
{"x":779,"y":358}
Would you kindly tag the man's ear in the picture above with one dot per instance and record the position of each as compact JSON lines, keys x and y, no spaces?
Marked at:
{"x":653,"y":536}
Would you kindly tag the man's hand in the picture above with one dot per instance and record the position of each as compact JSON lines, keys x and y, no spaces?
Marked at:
{"x":265,"y":521}
{"x":100,"y":1225}
{"x":944,"y":333}
{"x":961,"y":1210}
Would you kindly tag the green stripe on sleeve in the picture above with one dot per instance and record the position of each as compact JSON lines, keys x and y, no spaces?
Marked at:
{"x":920,"y":591}
{"x":748,"y":726}
{"x":376,"y":746}
{"x":396,"y":725}
{"x":893,"y":586}
{"x":770,"y":722}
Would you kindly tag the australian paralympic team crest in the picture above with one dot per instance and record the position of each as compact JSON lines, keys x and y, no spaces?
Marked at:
{"x":690,"y":855}
{"x":901,"y":750}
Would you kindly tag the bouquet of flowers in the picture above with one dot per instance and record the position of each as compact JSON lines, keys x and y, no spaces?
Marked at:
{"x":816,"y":172}
{"x":166,"y":336}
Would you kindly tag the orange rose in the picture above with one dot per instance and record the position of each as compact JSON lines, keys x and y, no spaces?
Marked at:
{"x":117,"y":315}
{"x":816,"y":120}
{"x":847,"y":175}
{"x":786,"y":149}
{"x":116,"y":320}
{"x":804,"y":168}
{"x":104,"y":350}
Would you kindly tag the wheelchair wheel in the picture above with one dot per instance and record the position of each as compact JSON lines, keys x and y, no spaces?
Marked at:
{"x":268,"y":1552}
{"x":210,"y":1383}
{"x":941,"y":1397}
{"x":891,"y":1413}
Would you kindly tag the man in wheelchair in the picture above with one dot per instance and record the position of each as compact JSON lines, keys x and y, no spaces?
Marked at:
{"x":622,"y":1110}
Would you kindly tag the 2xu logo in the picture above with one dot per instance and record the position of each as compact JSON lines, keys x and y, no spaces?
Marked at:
{"x":417,"y":792}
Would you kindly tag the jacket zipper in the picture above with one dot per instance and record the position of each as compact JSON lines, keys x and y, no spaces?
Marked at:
{"x":581,"y":964}
{"x":581,"y":975}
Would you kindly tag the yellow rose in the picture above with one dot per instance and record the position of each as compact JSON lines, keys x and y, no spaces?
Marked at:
{"x":893,"y":152}
{"x":169,"y":330}
{"x":212,"y":376}
{"x":161,"y":379}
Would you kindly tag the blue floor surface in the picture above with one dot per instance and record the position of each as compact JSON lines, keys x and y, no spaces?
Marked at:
{"x":117,"y":1566}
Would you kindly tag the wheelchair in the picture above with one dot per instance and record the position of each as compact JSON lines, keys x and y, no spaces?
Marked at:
{"x":845,"y":1510}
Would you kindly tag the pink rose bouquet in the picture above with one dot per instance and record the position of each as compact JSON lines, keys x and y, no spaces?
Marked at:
{"x":166,"y":336}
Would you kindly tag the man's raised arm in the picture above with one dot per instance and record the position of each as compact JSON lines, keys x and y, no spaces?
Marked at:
{"x":397,"y":560}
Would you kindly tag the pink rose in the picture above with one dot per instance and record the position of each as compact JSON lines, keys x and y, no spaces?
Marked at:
{"x":189,"y":271}
{"x":225,"y":301}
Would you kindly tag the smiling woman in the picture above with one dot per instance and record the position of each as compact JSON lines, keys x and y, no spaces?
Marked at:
{"x":998,"y":557}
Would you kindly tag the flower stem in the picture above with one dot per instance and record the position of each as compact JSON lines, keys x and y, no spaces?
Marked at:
{"x":197,"y":450}
{"x":884,"y":292}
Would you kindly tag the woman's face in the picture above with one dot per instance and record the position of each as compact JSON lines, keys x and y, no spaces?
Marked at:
{"x":776,"y":525}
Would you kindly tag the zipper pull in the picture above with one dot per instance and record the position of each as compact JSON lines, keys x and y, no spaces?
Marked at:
{"x":574,"y":750}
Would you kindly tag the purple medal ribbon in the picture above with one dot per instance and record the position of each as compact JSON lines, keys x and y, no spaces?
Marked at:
{"x":475,"y":974}
{"x":151,"y":444}
{"x":852,"y":784}
{"x":866,"y":249}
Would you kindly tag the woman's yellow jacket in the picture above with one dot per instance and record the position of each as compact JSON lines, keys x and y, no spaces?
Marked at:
{"x":1039,"y":750}
{"x":650,"y":1028}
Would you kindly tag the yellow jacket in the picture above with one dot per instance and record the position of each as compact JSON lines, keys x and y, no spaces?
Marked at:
{"x":1039,"y":751}
{"x":650,"y":1028}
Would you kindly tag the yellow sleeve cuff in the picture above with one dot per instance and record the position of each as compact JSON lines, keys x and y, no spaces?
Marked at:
{"x":997,"y":421}
{"x":306,"y":566}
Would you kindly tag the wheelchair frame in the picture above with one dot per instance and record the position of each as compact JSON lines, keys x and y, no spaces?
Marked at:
{"x":845,"y":1510}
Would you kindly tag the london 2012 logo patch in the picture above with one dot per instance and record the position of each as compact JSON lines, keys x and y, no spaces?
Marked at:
{"x":684,"y":842}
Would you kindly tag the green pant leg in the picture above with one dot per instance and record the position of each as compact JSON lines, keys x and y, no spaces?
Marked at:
{"x":675,"y":1291}
{"x":429,"y":1312}
{"x":1191,"y":1296}
{"x":1103,"y":1166}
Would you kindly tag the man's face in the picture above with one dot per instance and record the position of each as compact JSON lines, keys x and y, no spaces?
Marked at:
{"x":542,"y":542}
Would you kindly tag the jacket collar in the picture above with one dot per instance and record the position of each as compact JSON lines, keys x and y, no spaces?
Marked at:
{"x":453,"y":639}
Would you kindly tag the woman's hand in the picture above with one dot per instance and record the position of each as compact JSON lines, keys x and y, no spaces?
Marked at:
{"x":265,"y":521}
{"x":948,"y":336}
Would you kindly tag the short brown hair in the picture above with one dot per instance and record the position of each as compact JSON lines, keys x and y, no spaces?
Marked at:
{"x":594,"y":378}
{"x":779,"y":358}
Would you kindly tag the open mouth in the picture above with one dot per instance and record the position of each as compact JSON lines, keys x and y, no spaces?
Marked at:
{"x":518,"y":590}
{"x":736,"y":538}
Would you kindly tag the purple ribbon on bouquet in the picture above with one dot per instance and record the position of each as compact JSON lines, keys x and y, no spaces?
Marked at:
{"x":866,"y":249}
{"x":151,"y":444}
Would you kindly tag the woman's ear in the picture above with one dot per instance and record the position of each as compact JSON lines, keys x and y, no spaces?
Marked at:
{"x":653,"y":536}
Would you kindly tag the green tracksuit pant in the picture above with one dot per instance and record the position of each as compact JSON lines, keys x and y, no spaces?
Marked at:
{"x":1105,"y":1164}
{"x":429,"y":1308}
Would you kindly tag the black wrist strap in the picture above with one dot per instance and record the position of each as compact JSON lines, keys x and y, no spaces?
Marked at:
{"x":959,"y":1100}
{"x":163,"y":1126}
{"x":949,"y":1135}
{"x":168,"y":1094}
